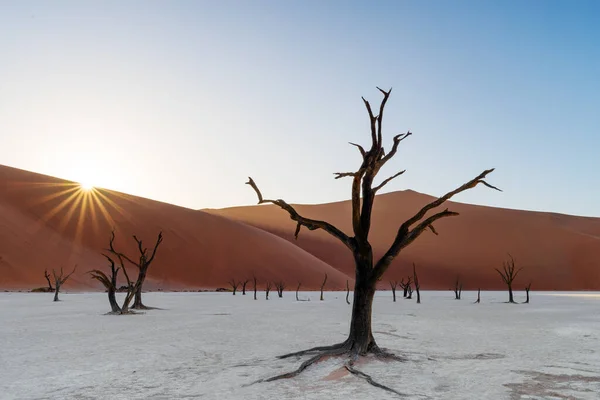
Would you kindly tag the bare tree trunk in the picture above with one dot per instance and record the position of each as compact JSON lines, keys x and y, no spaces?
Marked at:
{"x":297,"y":289}
{"x":417,"y":285}
{"x":393,"y":286}
{"x":234,"y":285}
{"x":360,"y":338}
{"x":322,"y":286}
{"x":478,"y":296}
{"x":137,"y":303}
{"x":244,"y":283}
{"x":510,"y":294}
{"x":254,"y":280}
{"x":508,"y":275}
{"x":47,"y":276}
{"x":347,"y":292}
{"x":527,"y":293}
{"x":56,"y":291}
{"x":267,"y":290}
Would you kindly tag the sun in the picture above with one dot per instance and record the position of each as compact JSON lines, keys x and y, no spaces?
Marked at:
{"x":86,"y":186}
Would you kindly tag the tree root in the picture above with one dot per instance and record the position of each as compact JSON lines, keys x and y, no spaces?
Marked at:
{"x":339,"y":349}
{"x":350,"y":367}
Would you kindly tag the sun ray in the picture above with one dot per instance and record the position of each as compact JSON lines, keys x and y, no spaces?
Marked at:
{"x":114,"y":205}
{"x":85,"y":196}
{"x":103,"y":210}
{"x":67,"y":217}
{"x":56,"y":209}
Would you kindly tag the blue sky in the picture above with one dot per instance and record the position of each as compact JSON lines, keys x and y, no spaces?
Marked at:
{"x":180,"y":101}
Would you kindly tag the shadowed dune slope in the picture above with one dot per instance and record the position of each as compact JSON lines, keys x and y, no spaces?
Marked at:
{"x":48,"y":223}
{"x":558,"y":252}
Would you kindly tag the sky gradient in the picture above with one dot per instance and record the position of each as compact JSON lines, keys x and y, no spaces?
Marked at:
{"x":180,"y":101}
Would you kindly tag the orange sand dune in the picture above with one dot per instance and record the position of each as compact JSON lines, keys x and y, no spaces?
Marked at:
{"x":47,"y":223}
{"x":558,"y":252}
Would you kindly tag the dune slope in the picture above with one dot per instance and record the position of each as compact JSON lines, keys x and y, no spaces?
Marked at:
{"x":557,"y":252}
{"x":46,"y":222}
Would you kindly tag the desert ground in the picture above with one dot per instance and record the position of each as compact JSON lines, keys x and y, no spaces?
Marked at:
{"x":214,"y":345}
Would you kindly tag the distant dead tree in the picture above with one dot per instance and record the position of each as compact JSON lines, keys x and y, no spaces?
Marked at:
{"x":47,"y":276}
{"x":368,"y":270}
{"x":527,"y":288}
{"x":297,"y":290}
{"x":279,"y":285}
{"x":347,"y":292}
{"x":59,"y":279}
{"x":244,"y":283}
{"x":268,"y":289}
{"x":508,"y":275}
{"x":142,"y":264}
{"x":393,"y":285}
{"x":457,"y":288}
{"x":110,"y":283}
{"x":478,"y":296}
{"x":409,"y":289}
{"x":254,"y":280}
{"x":322,"y":286}
{"x":417,"y":287}
{"x":405,"y":286}
{"x":234,"y":285}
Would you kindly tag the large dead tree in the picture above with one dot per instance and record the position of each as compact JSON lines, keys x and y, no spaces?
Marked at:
{"x":142,"y":264}
{"x":47,"y":276}
{"x":244,"y":283}
{"x":417,"y":286}
{"x":368,"y":270}
{"x":527,"y":289}
{"x":280,"y":286}
{"x":457,"y":288}
{"x":110,"y":283}
{"x":234,"y":285}
{"x":508,"y":275}
{"x":393,"y":285}
{"x":59,"y":280}
{"x":323,"y":286}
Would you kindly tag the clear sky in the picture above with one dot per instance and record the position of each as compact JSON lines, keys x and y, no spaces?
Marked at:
{"x":180,"y":101}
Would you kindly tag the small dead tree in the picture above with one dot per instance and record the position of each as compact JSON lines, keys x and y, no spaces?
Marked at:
{"x":478,"y":296}
{"x":268,"y":289}
{"x":254,"y":280}
{"x":244,"y":283}
{"x":322,"y":286}
{"x":457,"y":288}
{"x":142,"y":264}
{"x":393,"y":285}
{"x":406,"y":286}
{"x":347,"y":292}
{"x":234,"y":285}
{"x":110,"y":283}
{"x":527,"y":288}
{"x":47,"y":276}
{"x":59,"y":279}
{"x":409,"y":290}
{"x":297,"y":290}
{"x":508,"y":275}
{"x":417,"y":287}
{"x":368,"y":269}
{"x":279,"y":285}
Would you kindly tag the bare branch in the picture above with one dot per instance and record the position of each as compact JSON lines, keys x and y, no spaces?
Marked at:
{"x":373,"y":119}
{"x":382,"y":184}
{"x":397,"y":139}
{"x":310,"y":224}
{"x":339,"y":175}
{"x":386,"y":95}
{"x":360,"y":148}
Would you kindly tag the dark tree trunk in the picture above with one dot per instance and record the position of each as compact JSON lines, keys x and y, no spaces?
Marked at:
{"x":244,"y":287}
{"x":112,"y":299}
{"x":510,"y":294}
{"x":254,"y":289}
{"x":418,"y":296}
{"x":361,"y":338}
{"x":297,"y":289}
{"x":347,"y":292}
{"x":527,"y":294}
{"x":137,"y":302}
{"x":323,"y":286}
{"x":405,"y":291}
{"x":478,"y":296}
{"x":56,"y":290}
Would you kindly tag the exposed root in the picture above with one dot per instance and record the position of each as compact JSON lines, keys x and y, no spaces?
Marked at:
{"x":314,"y":350}
{"x":144,"y":307}
{"x":387,"y":355}
{"x":306,"y":364}
{"x":350,"y":367}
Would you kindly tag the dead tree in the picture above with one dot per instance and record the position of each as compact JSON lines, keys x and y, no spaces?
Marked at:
{"x":457,"y":288}
{"x":322,"y":286}
{"x":409,"y":290}
{"x":234,"y":285}
{"x":527,"y":288}
{"x":347,"y":292}
{"x":297,"y":290}
{"x":47,"y":276}
{"x":110,"y":283}
{"x":254,"y":280}
{"x":368,"y":270}
{"x":393,"y":285}
{"x":268,"y":289}
{"x":478,"y":296}
{"x":142,"y":264}
{"x":406,"y":286}
{"x":244,"y":283}
{"x":279,"y":285}
{"x":417,"y":287}
{"x":59,"y":279}
{"x":508,"y":275}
